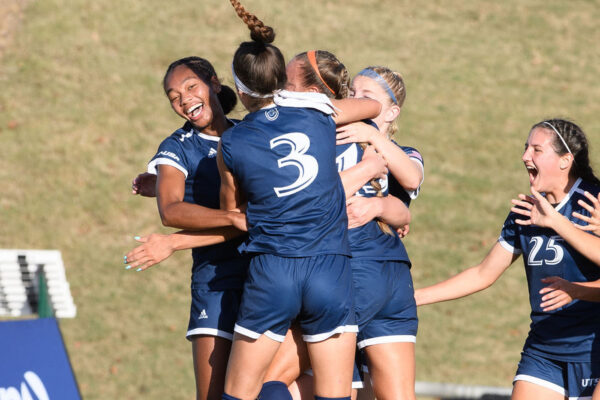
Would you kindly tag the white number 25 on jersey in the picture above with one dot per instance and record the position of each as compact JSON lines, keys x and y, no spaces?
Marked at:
{"x":308,"y":166}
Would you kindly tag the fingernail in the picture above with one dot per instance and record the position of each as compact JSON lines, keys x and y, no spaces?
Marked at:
{"x":138,"y":270}
{"x":125,"y":259}
{"x":136,"y":237}
{"x":128,"y":267}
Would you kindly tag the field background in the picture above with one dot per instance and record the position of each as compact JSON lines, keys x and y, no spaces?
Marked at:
{"x":82,"y":111}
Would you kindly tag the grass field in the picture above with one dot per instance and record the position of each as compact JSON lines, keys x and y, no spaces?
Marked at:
{"x":82,"y":110}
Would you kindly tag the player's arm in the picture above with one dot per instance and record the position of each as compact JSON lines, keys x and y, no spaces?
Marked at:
{"x":372,"y":166}
{"x":561,"y":292}
{"x":230,"y":195}
{"x":408,"y":172}
{"x":470,"y":280}
{"x":156,"y":247}
{"x":350,"y":110}
{"x":176,"y":213}
{"x":388,"y":209}
{"x":541,"y":213}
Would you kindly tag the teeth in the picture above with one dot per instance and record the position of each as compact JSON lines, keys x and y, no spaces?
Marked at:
{"x":194,"y":108}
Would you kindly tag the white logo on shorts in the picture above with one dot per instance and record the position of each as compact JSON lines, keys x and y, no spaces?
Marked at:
{"x":203,"y":314}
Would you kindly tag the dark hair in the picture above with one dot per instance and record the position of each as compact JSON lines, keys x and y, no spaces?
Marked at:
{"x":577,"y":143}
{"x":332,"y":78}
{"x":258,"y":64}
{"x":205,"y":71}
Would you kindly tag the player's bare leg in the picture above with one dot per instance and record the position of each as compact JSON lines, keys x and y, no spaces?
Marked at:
{"x":332,"y":362}
{"x":392,"y":370}
{"x":248,"y":364}
{"x":210,"y":354}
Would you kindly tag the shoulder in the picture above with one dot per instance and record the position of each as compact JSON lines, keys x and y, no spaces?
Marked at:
{"x":411,"y":152}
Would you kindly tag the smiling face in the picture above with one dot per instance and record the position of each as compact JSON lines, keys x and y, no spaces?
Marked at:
{"x":191,"y":98}
{"x":548,"y":171}
{"x":363,"y":86}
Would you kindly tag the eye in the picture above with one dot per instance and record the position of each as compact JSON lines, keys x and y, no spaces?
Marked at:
{"x":192,"y":86}
{"x":173,"y":99}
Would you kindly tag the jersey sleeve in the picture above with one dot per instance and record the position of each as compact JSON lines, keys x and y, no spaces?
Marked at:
{"x":170,"y":152}
{"x":509,"y":236}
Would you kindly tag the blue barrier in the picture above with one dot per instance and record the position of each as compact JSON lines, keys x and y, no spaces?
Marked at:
{"x":33,"y":362}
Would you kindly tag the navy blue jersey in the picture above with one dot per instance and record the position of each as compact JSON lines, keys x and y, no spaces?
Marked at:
{"x":194,"y":153}
{"x":571,"y":333}
{"x":284,"y":161}
{"x":369,"y":241}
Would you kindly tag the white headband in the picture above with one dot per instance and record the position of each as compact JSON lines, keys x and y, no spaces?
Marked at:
{"x":245,"y":89}
{"x":559,"y":135}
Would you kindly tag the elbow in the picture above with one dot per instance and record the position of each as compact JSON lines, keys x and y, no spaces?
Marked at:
{"x":167,"y":219}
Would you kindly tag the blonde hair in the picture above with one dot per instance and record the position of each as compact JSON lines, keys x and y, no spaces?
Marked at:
{"x":395,"y":83}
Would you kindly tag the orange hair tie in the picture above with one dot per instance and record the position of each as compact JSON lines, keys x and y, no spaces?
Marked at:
{"x":312,"y":59}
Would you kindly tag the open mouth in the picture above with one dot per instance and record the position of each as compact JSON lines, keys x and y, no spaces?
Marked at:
{"x":533,"y":172}
{"x":194,"y":111}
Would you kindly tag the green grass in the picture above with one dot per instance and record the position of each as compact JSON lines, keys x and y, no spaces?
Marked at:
{"x":82,"y":110}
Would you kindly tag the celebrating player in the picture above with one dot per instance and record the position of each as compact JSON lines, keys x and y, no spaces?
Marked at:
{"x":384,"y":302}
{"x":281,"y":159}
{"x":561,"y":356}
{"x":188,"y":197}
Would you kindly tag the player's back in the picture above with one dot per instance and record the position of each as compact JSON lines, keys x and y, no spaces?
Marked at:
{"x":284,"y":161}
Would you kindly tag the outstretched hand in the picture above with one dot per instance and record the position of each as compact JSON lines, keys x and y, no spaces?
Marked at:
{"x":144,"y":184}
{"x":536,"y":207}
{"x":154,"y":249}
{"x":593,"y":221}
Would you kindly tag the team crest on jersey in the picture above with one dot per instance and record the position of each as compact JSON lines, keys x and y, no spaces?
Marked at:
{"x":272,"y":114}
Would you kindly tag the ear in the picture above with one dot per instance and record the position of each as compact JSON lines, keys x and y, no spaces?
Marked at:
{"x":313,"y":89}
{"x":215,"y":84}
{"x":566,"y":161}
{"x":392,"y":113}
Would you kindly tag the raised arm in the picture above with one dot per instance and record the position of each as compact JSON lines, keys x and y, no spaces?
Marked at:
{"x":408,"y":172}
{"x":176,"y":213}
{"x":541,"y":213}
{"x":470,"y":280}
{"x":350,"y":110}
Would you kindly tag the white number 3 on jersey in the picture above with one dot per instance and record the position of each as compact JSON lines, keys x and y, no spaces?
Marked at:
{"x":307,"y":165}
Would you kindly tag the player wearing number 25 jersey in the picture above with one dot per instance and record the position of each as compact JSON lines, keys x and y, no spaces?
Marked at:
{"x":569,"y":333}
{"x":284,"y":161}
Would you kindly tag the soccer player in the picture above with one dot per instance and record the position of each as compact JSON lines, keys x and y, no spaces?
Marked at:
{"x":384,"y":302}
{"x":188,"y":197}
{"x":281,"y":160}
{"x":561,"y":356}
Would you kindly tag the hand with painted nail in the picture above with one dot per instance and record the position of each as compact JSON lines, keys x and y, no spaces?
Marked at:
{"x":154,"y":249}
{"x":593,"y":221}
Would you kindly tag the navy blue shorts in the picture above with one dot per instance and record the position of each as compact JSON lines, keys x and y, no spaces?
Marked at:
{"x":213,"y":312}
{"x":386,"y":311}
{"x":575,"y":380}
{"x":316,"y":291}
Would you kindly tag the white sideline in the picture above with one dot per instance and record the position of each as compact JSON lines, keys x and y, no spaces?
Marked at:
{"x":433,"y":389}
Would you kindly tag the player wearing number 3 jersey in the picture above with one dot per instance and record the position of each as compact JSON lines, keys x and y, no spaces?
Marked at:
{"x":561,"y":356}
{"x":281,"y":160}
